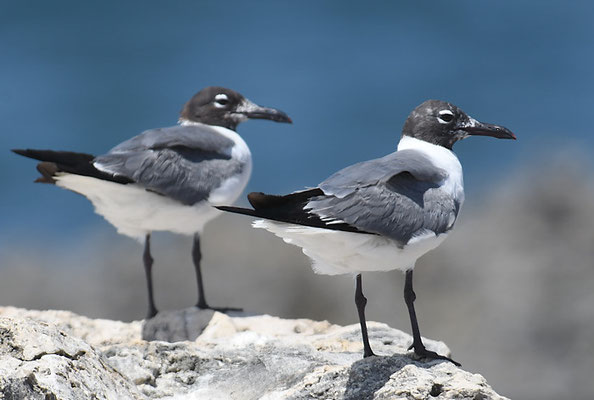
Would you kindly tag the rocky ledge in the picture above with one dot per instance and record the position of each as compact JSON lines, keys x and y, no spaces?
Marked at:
{"x":61,"y":355}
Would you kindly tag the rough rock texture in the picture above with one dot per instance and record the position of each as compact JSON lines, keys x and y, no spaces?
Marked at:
{"x":60,"y":355}
{"x":39,"y":361}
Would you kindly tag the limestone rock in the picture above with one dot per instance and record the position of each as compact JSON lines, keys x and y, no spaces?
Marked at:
{"x":39,"y":361}
{"x":60,"y":354}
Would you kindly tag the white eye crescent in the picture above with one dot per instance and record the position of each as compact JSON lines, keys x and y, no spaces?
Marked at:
{"x":221,"y":100}
{"x":445,"y":117}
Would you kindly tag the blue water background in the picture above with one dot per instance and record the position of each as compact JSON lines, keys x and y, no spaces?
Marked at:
{"x":85,"y":76}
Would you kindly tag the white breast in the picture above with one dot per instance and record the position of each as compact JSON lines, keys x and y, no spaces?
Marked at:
{"x":442,"y":158}
{"x":233,"y":187}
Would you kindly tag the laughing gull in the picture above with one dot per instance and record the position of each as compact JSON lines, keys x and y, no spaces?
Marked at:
{"x":166,"y":179}
{"x":381,"y":214}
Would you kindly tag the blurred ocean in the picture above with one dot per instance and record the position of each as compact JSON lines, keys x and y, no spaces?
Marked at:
{"x":85,"y":76}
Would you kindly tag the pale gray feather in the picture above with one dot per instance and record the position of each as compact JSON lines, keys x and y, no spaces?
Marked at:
{"x":196,"y":136}
{"x":181,"y":162}
{"x":397,"y":196}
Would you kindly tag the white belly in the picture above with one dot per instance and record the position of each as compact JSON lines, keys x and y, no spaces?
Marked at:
{"x":338,"y":252}
{"x":232,"y":188}
{"x":135,"y":211}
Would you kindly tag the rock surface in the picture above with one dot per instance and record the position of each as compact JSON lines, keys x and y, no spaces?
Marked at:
{"x":60,"y":355}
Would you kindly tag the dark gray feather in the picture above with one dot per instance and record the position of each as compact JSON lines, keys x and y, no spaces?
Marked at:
{"x":398,"y":196}
{"x":183,"y":162}
{"x":371,"y":172}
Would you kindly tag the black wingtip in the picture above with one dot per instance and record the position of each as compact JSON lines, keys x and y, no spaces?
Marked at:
{"x":261,"y":201}
{"x":20,"y":152}
{"x":237,"y":210}
{"x":225,"y":208}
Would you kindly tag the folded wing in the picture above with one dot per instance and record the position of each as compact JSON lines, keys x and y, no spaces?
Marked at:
{"x":399,"y":196}
{"x":182,"y":162}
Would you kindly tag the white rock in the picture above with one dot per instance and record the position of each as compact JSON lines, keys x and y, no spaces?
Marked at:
{"x":37,"y":360}
{"x":42,"y":354}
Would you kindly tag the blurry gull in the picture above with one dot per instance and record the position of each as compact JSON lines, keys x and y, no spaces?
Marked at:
{"x":166,"y":179}
{"x":381,"y":214}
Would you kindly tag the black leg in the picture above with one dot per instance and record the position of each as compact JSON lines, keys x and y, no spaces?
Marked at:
{"x":197,"y":257}
{"x":409,"y":298}
{"x":148,"y":269}
{"x":361,"y":302}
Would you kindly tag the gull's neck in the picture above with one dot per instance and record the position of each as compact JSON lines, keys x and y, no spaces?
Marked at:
{"x":409,"y":142}
{"x":187,"y":122}
{"x":442,"y":158}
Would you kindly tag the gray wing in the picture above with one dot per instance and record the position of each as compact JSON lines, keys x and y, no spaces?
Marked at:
{"x":182,"y":162}
{"x":199,"y":136}
{"x":370,"y":172}
{"x":398,"y":196}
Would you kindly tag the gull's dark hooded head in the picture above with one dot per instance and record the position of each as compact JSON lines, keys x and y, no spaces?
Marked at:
{"x":442,"y":123}
{"x":219,"y":106}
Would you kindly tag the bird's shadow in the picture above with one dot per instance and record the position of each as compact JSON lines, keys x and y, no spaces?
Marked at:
{"x":180,"y":325}
{"x":369,"y":375}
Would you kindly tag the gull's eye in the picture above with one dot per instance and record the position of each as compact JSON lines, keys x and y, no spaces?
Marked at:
{"x":445,"y":116}
{"x":221,"y":100}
